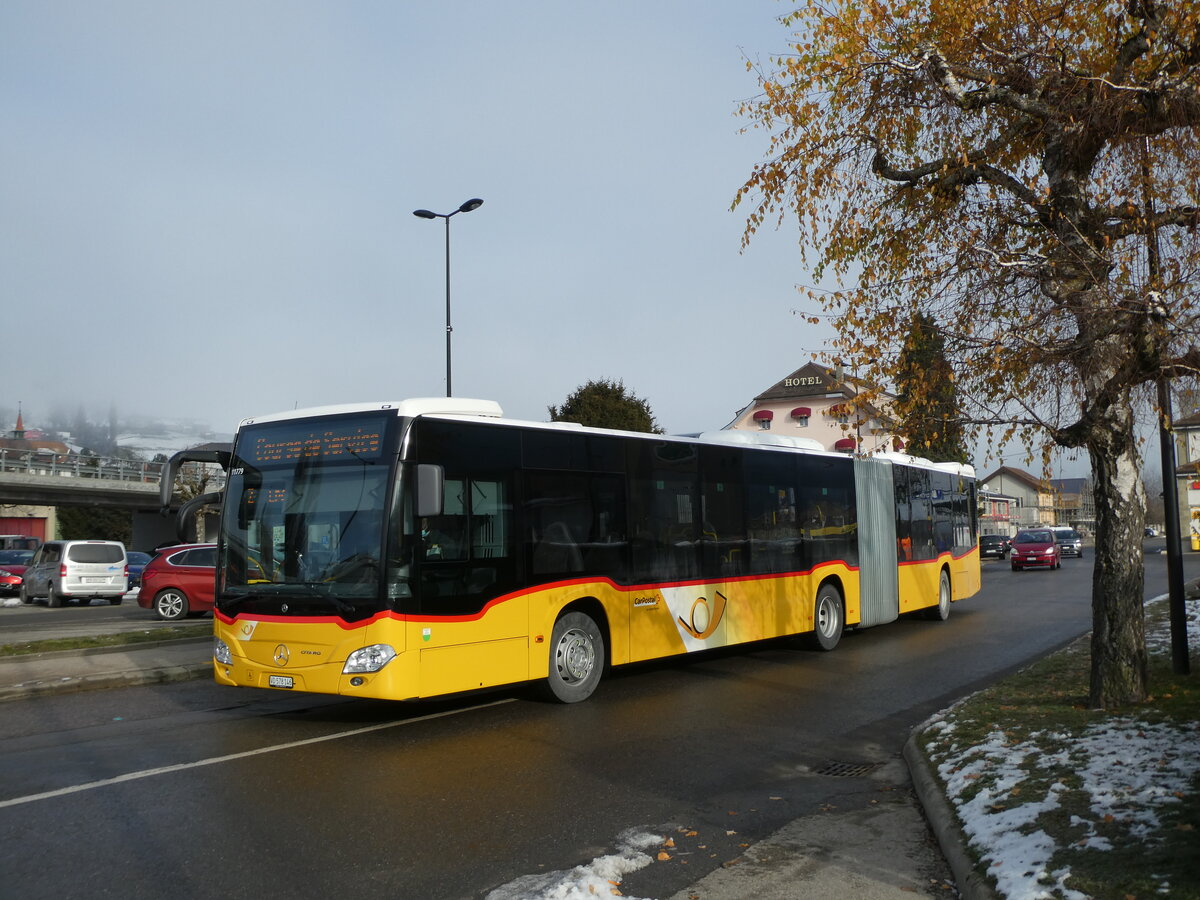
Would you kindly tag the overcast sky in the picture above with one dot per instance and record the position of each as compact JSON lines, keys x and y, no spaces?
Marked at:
{"x":208,"y":206}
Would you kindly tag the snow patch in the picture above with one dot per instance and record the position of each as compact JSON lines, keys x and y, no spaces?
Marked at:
{"x":1129,"y":769}
{"x":599,"y":878}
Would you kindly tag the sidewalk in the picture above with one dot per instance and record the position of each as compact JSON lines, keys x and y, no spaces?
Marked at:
{"x":65,"y":671}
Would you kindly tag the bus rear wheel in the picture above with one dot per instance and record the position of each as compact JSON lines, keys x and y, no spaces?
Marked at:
{"x":828,"y":619}
{"x":576,"y":658}
{"x":941,"y":612}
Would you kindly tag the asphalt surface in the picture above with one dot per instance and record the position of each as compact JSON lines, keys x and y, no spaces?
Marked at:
{"x":877,"y":853}
{"x":860,"y":857}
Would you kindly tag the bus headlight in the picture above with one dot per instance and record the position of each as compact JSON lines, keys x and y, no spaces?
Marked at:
{"x":221,"y":652}
{"x":369,"y":659}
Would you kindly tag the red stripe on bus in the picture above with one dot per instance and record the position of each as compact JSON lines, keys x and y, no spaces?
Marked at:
{"x":551,"y":585}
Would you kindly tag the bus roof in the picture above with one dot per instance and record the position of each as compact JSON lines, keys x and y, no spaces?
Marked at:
{"x":417,"y":406}
{"x":466,"y":409}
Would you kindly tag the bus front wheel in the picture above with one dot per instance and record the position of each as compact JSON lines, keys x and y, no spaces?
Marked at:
{"x":828,"y":619}
{"x":576,"y":658}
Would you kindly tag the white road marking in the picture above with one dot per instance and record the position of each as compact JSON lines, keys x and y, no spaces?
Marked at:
{"x":215,"y":760}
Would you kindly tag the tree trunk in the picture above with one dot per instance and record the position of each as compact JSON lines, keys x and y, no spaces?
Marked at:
{"x":1118,"y":673}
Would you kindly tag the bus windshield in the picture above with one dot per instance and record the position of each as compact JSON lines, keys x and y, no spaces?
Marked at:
{"x":304,"y":517}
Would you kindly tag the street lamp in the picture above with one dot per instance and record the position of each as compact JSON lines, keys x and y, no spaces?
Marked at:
{"x":469,"y":206}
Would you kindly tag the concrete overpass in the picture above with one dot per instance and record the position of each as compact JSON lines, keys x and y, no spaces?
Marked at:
{"x":37,"y":480}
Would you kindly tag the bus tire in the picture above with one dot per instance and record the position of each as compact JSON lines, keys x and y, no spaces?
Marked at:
{"x":828,"y":619}
{"x":941,"y":612}
{"x":576,"y":658}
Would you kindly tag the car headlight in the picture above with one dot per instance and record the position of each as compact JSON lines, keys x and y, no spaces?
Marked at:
{"x":369,"y":659}
{"x":221,"y":652}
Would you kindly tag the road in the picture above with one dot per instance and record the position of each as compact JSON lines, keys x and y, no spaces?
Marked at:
{"x":219,"y":792}
{"x":35,"y":622}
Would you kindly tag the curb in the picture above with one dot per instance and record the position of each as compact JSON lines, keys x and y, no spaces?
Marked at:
{"x":39,"y":689}
{"x":163,"y":674}
{"x":943,"y":821}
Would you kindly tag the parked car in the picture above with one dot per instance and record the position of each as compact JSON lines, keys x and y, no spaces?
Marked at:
{"x":1070,"y":541}
{"x":137,"y":561}
{"x":12,"y":569}
{"x":1035,"y":547}
{"x":180,"y":581}
{"x":993,"y":546}
{"x":19,"y":542}
{"x":76,"y":570}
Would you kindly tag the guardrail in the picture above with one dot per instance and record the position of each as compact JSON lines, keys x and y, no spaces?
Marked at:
{"x":33,"y":463}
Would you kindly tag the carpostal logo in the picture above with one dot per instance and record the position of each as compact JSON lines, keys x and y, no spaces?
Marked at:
{"x":697,"y":617}
{"x":702,"y":620}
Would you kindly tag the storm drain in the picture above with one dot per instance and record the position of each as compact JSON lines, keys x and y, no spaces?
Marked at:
{"x":847,"y":769}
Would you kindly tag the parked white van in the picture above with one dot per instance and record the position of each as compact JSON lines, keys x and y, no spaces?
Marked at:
{"x":77,"y":570}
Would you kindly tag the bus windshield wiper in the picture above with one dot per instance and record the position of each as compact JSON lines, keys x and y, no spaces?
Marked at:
{"x":227,"y":604}
{"x":325,"y":592}
{"x":281,"y":591}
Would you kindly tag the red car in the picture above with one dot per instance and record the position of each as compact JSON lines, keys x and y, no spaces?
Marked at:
{"x":1035,"y":547}
{"x":12,"y":569}
{"x":180,"y":581}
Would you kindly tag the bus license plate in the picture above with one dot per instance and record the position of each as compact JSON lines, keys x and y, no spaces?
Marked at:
{"x":280,"y":681}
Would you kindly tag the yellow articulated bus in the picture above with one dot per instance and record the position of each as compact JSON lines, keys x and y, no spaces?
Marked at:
{"x":427,"y":547}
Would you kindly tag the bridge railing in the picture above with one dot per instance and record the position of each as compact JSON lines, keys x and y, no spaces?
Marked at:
{"x":33,"y":463}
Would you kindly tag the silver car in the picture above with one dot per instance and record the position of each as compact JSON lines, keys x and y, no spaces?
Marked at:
{"x":1070,"y":541}
{"x":77,"y":570}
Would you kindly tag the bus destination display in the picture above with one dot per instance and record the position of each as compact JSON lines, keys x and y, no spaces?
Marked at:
{"x":349,"y":441}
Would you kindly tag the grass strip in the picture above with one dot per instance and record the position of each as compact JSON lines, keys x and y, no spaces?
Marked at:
{"x":89,"y":642}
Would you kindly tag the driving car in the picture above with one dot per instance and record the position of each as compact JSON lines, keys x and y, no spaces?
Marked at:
{"x":993,"y":546}
{"x":12,"y":569}
{"x":1070,"y":541}
{"x":180,"y":581}
{"x":1035,"y":547}
{"x":137,"y":562}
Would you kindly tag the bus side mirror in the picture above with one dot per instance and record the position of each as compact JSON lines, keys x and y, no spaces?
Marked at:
{"x":430,"y":486}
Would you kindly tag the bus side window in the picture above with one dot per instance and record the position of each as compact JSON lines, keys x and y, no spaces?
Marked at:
{"x":444,"y":537}
{"x":574,"y":523}
{"x":921,"y":497}
{"x":904,"y":544}
{"x":723,"y":546}
{"x":943,"y":512}
{"x":775,"y":524}
{"x":665,"y":510}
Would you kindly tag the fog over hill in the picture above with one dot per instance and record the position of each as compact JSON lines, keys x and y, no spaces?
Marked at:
{"x":167,"y":437}
{"x":111,"y":434}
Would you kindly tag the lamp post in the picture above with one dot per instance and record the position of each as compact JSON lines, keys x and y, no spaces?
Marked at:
{"x":469,"y":206}
{"x":1180,"y":663}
